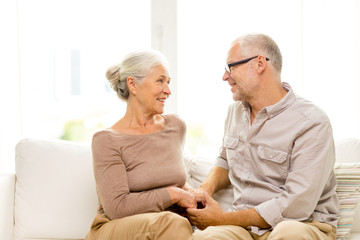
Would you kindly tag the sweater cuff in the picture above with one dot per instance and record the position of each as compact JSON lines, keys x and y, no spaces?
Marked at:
{"x":165,"y":197}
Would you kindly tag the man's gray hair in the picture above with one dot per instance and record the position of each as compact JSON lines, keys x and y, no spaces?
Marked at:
{"x":260,"y":44}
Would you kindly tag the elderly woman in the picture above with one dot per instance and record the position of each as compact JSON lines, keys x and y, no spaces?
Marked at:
{"x":138,"y":165}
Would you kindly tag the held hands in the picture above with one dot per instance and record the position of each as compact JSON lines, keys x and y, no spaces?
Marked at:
{"x":182,"y":198}
{"x":202,"y":209}
{"x":210,"y":215}
{"x":198,"y":193}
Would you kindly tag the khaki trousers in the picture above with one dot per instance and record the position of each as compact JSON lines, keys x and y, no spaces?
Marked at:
{"x":283,"y":231}
{"x":148,"y":226}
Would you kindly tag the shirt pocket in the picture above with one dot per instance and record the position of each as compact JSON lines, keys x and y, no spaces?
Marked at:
{"x":273,"y":164}
{"x":231,"y":144}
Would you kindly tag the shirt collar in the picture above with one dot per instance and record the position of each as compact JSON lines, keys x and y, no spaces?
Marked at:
{"x":273,"y":110}
{"x":283,"y":104}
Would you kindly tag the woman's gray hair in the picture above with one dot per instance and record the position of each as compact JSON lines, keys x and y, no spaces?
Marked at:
{"x":136,"y":64}
{"x":260,"y":44}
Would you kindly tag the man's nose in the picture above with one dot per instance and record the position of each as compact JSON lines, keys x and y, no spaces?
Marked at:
{"x":226,"y":76}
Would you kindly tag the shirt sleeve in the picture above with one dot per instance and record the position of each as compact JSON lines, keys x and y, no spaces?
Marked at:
{"x":112,"y":184}
{"x":311,"y":165}
{"x":221,"y":159}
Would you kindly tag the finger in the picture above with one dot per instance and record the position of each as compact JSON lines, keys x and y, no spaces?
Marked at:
{"x":192,"y":211}
{"x":200,"y":198}
{"x":192,"y":205}
{"x":208,"y":200}
{"x":201,"y":227}
{"x":193,"y":219}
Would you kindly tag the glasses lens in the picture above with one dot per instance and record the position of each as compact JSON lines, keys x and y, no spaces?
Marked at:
{"x":227,"y":69}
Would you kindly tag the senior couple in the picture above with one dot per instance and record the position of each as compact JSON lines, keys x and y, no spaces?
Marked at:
{"x":277,"y":154}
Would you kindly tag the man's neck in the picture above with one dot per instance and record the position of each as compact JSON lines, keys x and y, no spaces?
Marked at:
{"x":268,"y":98}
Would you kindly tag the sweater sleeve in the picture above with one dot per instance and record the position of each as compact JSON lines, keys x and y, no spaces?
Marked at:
{"x":112,"y":183}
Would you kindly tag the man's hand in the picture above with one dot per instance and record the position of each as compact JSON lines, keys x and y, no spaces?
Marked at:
{"x":211,"y":215}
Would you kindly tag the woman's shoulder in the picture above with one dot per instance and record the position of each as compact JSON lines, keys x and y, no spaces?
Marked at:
{"x":102,"y":133}
{"x":174,"y":119}
{"x":104,"y":136}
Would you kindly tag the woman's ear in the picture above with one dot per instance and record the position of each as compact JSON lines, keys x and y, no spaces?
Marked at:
{"x":131,"y":84}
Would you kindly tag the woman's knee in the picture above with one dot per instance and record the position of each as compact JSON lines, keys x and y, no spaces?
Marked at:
{"x":168,"y":225}
{"x":171,"y":220}
{"x":161,"y":226}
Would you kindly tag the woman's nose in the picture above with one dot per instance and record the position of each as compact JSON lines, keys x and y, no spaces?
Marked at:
{"x":167,"y":89}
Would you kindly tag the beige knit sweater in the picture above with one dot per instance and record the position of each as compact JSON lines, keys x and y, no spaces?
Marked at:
{"x":132,"y":171}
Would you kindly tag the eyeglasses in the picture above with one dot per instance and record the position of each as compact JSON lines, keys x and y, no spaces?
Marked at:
{"x":228,"y":66}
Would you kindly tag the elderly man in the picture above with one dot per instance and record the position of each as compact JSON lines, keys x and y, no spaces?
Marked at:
{"x":277,"y":153}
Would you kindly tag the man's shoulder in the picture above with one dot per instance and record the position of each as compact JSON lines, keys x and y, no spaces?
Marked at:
{"x":309,"y":110}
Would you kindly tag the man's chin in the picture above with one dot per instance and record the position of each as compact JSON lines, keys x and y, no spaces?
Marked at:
{"x":237,"y":97}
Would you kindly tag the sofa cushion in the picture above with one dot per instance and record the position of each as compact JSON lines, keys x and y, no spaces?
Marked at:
{"x":7,"y":184}
{"x":199,"y":168}
{"x":55,"y":194}
{"x":348,"y":151}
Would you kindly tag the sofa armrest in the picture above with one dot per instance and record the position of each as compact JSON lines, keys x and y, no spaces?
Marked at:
{"x":7,"y":187}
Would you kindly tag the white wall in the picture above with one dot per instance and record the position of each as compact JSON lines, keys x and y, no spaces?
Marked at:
{"x":164,"y":38}
{"x":10,"y":123}
{"x":332,"y":63}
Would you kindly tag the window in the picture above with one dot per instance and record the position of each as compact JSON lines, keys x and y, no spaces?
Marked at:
{"x":65,"y":49}
{"x":205,"y":34}
{"x":320,"y":59}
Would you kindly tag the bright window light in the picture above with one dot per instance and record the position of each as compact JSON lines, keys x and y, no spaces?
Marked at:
{"x":66,"y":47}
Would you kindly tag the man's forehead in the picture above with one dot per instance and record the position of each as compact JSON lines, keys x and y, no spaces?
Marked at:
{"x":234,"y":51}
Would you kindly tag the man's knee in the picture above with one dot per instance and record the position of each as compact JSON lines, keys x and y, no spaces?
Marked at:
{"x":222,"y":232}
{"x":290,"y":230}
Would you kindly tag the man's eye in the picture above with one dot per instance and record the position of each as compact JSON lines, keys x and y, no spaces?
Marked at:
{"x":160,"y":80}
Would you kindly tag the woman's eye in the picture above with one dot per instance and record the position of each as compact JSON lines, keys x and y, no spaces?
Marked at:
{"x":160,"y":80}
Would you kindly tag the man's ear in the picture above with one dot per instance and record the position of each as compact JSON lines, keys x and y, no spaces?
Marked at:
{"x":131,"y":83}
{"x":261,"y":63}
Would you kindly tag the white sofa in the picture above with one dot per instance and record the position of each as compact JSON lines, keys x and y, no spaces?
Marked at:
{"x":53,"y":196}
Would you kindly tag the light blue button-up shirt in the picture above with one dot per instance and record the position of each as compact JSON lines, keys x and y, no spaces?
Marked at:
{"x":282,"y":163}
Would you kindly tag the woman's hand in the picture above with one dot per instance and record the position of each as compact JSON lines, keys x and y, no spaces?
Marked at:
{"x":198,"y":193}
{"x":181,"y":197}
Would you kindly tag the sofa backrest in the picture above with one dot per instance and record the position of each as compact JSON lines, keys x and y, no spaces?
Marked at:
{"x":55,"y":194}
